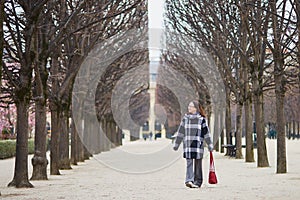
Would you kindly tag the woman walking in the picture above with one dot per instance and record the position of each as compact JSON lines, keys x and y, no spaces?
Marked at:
{"x":193,"y":130}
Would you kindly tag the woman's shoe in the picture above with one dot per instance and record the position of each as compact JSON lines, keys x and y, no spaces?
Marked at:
{"x":198,"y":184}
{"x":191,"y":185}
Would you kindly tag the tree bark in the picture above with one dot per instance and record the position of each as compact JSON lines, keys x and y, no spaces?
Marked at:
{"x":20,"y":179}
{"x":248,"y":121}
{"x":222,"y":141}
{"x":216,"y":129}
{"x":280,"y":121}
{"x":119,"y":130}
{"x":114,"y":133}
{"x":262,"y":157}
{"x":294,"y":129}
{"x":288,"y":130}
{"x":99,"y":148}
{"x":228,"y":119}
{"x":55,"y":124}
{"x":281,"y":146}
{"x":64,"y":145}
{"x":108,"y":133}
{"x":87,"y":138}
{"x":298,"y":129}
{"x":249,"y":130}
{"x":95,"y":134}
{"x":54,"y":148}
{"x":238,"y":135}
{"x":103,"y":135}
{"x":74,"y":144}
{"x":39,"y":161}
{"x":80,"y":147}
{"x":134,"y":134}
{"x":279,"y":88}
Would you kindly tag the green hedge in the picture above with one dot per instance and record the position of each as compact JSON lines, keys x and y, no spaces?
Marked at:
{"x":8,"y":148}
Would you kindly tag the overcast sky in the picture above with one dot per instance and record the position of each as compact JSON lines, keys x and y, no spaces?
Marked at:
{"x":156,"y":8}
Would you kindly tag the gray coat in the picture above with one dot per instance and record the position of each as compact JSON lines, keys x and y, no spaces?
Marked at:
{"x":193,"y":130}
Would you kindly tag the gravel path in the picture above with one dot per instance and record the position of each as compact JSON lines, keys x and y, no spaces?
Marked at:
{"x":101,"y":178}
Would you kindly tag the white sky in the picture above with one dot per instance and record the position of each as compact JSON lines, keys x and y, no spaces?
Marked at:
{"x":155,"y":17}
{"x":155,"y":9}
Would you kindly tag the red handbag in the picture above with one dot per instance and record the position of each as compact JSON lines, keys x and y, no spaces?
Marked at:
{"x":212,"y":178}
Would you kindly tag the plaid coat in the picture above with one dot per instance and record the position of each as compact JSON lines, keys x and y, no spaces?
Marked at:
{"x":193,"y":130}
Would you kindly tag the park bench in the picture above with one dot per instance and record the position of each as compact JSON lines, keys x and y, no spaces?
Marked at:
{"x":231,"y":149}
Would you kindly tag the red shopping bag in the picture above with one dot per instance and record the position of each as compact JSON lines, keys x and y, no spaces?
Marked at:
{"x":212,"y":179}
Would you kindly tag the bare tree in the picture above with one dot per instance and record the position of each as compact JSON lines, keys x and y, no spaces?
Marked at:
{"x":21,"y":27}
{"x":283,"y":34}
{"x":211,"y":30}
{"x":73,"y":28}
{"x":125,"y":70}
{"x":40,"y":95}
{"x":43,"y":50}
{"x":277,"y":27}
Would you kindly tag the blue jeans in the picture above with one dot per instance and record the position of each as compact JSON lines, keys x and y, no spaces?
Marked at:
{"x":194,"y":174}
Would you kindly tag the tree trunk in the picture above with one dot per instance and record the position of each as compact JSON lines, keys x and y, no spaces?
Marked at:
{"x":222,"y":141}
{"x":222,"y":131}
{"x":20,"y":179}
{"x":228,"y":119}
{"x":249,"y":131}
{"x":279,"y":88}
{"x":262,"y":157}
{"x":281,"y":147}
{"x":80,"y":149}
{"x":290,"y":130}
{"x":64,"y":145}
{"x":105,"y":136}
{"x":298,"y":129}
{"x":55,"y":125}
{"x":97,"y":131}
{"x":113,"y":133}
{"x":216,"y":131}
{"x":108,"y":133}
{"x":74,"y":146}
{"x":86,"y":153}
{"x":95,"y":135}
{"x":119,"y":130}
{"x":101,"y":137}
{"x":294,"y":129}
{"x":87,"y":138}
{"x":54,"y":148}
{"x":238,"y":135}
{"x":39,"y":161}
{"x":134,"y":134}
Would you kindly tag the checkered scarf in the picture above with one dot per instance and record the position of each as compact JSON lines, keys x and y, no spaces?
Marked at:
{"x":193,"y":130}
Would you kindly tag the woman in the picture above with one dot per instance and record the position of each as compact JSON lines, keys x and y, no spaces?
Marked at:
{"x":193,"y":130}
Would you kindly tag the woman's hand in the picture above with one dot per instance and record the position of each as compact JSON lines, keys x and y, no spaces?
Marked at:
{"x":210,"y":147}
{"x":175,"y":148}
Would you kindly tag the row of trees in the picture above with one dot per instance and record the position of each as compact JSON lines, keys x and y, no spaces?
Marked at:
{"x":255,"y":47}
{"x":44,"y":44}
